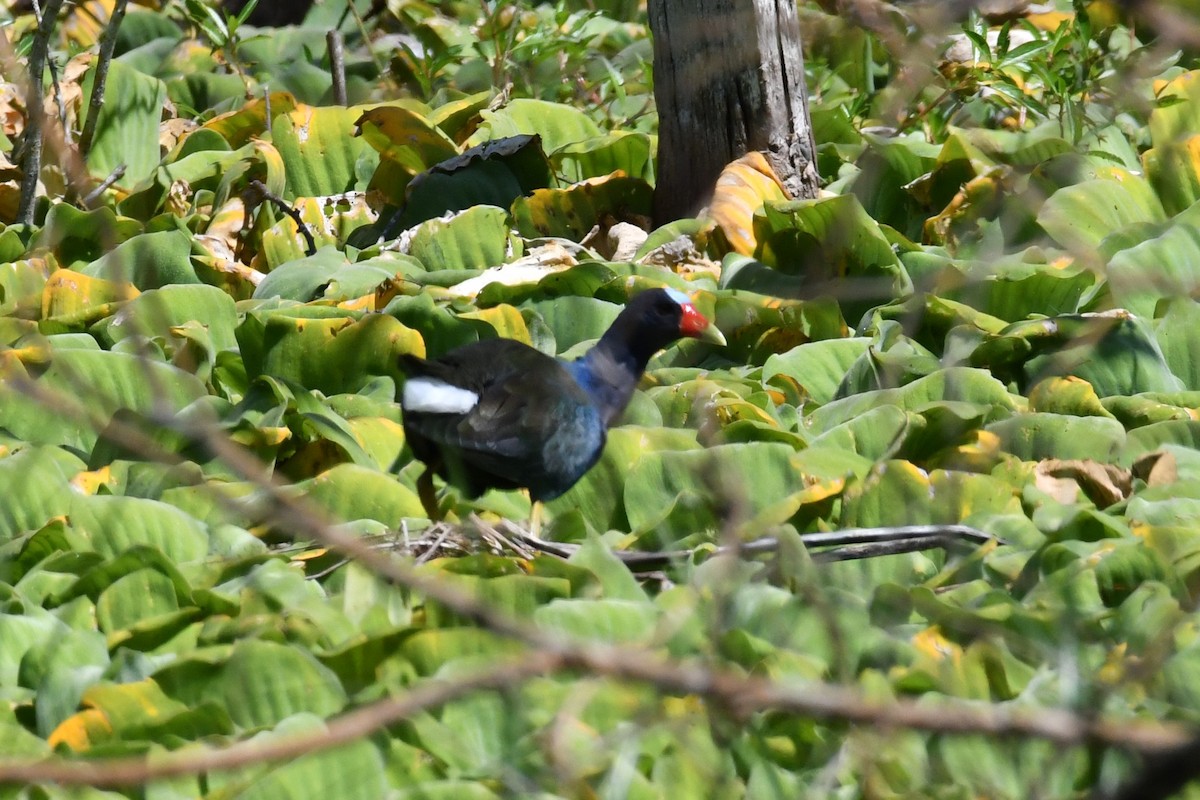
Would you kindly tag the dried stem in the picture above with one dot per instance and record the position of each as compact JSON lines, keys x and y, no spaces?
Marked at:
{"x":31,"y":164}
{"x":92,"y":197}
{"x":256,"y":194}
{"x":108,"y":44}
{"x":337,"y":65}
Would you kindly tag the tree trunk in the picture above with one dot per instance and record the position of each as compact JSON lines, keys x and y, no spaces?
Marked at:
{"x":728,"y":79}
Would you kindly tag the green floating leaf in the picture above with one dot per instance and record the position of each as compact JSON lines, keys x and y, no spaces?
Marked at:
{"x":1140,"y":410}
{"x":558,"y":125}
{"x":319,"y":152}
{"x":1004,"y":769}
{"x":1178,"y":334}
{"x":593,"y":158}
{"x":1080,"y":216}
{"x":78,"y":237}
{"x":886,"y":167}
{"x":1160,"y":268}
{"x":817,"y":366}
{"x":1068,"y":395}
{"x":1148,"y":438}
{"x":1173,"y":169}
{"x":431,"y":649}
{"x":37,"y":480}
{"x":127,"y":126}
{"x":148,"y":261}
{"x":473,"y":239}
{"x":166,"y":312}
{"x":669,"y":496}
{"x":349,"y":492}
{"x":1126,"y":567}
{"x":333,"y":354}
{"x":355,"y":771}
{"x":1033,"y":437}
{"x":608,"y":621}
{"x":597,"y":497}
{"x":573,"y":320}
{"x":831,"y":239}
{"x":113,"y":524}
{"x":876,"y":434}
{"x":108,"y":380}
{"x":21,"y":287}
{"x":259,"y":683}
{"x":326,"y":274}
{"x":115,"y":712}
{"x":572,"y":212}
{"x":615,"y":578}
{"x":446,"y":790}
{"x":1114,"y":351}
{"x":1016,"y":290}
{"x":441,"y":328}
{"x":954,"y":384}
{"x":899,"y":493}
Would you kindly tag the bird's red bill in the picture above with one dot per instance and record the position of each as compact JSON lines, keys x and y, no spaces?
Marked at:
{"x":695,"y":325}
{"x":693,"y":322}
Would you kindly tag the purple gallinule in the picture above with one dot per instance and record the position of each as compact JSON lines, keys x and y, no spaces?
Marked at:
{"x":498,"y":414}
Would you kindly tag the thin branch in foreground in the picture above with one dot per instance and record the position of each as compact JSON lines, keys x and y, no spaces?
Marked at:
{"x":735,"y":693}
{"x":740,"y":694}
{"x":337,"y":65}
{"x":845,"y":545}
{"x":92,"y":197}
{"x":256,"y":194}
{"x":108,"y":44}
{"x":31,"y":163}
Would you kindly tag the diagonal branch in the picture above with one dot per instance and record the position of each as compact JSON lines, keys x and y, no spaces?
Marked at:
{"x":739,"y":694}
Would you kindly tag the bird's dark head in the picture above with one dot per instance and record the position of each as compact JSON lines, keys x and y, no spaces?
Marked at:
{"x":669,"y":314}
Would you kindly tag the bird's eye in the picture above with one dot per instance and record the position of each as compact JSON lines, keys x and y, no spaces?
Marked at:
{"x":665,"y":306}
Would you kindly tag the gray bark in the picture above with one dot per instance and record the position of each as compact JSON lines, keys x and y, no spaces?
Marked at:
{"x":728,"y":79}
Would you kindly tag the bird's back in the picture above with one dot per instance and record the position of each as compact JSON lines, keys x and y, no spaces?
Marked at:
{"x":511,"y":417}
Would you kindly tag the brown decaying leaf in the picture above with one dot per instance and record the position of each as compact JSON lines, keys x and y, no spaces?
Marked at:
{"x":173,"y":131}
{"x":1156,"y":469}
{"x":682,"y":256}
{"x":1065,"y":480}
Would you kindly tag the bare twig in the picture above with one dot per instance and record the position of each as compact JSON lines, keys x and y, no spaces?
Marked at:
{"x":740,"y":694}
{"x":108,"y":44}
{"x":435,"y":544}
{"x":732,"y":692}
{"x":89,"y":200}
{"x":52,"y":68}
{"x":346,"y":728}
{"x":493,"y":534}
{"x":31,"y":165}
{"x":337,"y":65}
{"x":847,"y":545}
{"x":256,"y":194}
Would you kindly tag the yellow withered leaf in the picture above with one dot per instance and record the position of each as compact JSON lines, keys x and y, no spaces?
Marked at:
{"x":80,"y":731}
{"x":90,"y":482}
{"x":70,"y":292}
{"x":742,"y":189}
